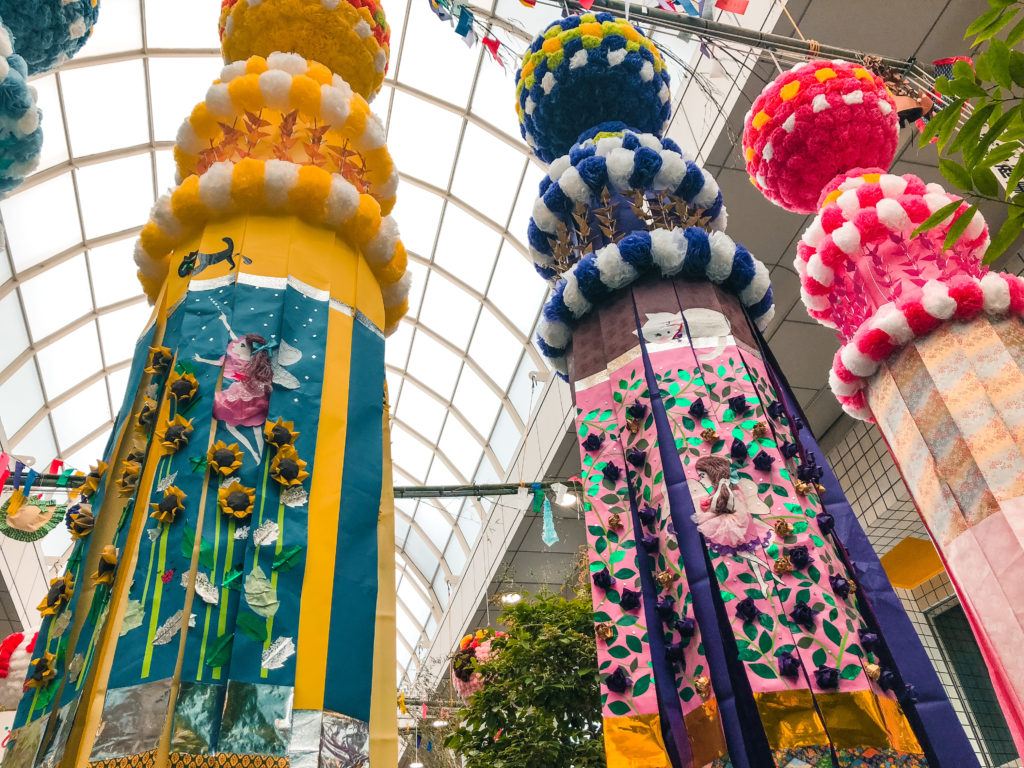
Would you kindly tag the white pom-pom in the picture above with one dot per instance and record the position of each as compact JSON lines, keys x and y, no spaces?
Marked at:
{"x":616,"y":57}
{"x":857,"y":362}
{"x":758,"y":286}
{"x":723,"y":251}
{"x":279,"y":178}
{"x":215,"y":186}
{"x":892,"y":185}
{"x":615,"y":273}
{"x":620,"y":168}
{"x":708,"y":193}
{"x":187,"y":139}
{"x":230,"y":71}
{"x":381,"y":247}
{"x":291,"y":63}
{"x":342,"y":201}
{"x":276,"y":87}
{"x":543,"y":217}
{"x":997,"y":294}
{"x":814,"y":233}
{"x":673,"y":169}
{"x":574,"y":187}
{"x":572,"y":296}
{"x":818,"y":270}
{"x":218,"y":100}
{"x":579,"y":59}
{"x":937,"y":301}
{"x":891,"y":320}
{"x":334,"y":105}
{"x":668,"y":251}
{"x":847,"y":238}
{"x":555,"y":334}
{"x":647,"y":72}
{"x":893,"y":216}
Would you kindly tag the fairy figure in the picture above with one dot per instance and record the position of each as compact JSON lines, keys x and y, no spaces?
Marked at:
{"x":252,"y":366}
{"x":729,"y":515}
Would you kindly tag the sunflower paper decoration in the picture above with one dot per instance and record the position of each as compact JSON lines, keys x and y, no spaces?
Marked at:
{"x":159,"y":360}
{"x":287,"y":468}
{"x":224,"y":459}
{"x":92,"y":480}
{"x":236,"y":500}
{"x":183,"y":387}
{"x":169,"y":506}
{"x":280,"y":433}
{"x":176,"y":433}
{"x":58,"y":595}
{"x":106,"y":566}
{"x":147,"y":414}
{"x":41,"y":671}
{"x":129,"y":479}
{"x":80,"y":521}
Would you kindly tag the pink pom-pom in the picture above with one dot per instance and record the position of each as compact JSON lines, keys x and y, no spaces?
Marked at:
{"x":1016,"y":286}
{"x":832,"y":218}
{"x":969,"y":298}
{"x":919,"y":319}
{"x":820,"y":120}
{"x":876,"y":344}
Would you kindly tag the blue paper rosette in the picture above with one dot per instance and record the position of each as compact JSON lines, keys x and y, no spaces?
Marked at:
{"x":21,"y":136}
{"x":49,"y":32}
{"x":586,"y":70}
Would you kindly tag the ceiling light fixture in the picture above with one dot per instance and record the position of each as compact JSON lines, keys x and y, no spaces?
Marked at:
{"x":511,"y":598}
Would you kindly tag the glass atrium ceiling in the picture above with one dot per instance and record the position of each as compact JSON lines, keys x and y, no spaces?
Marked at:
{"x":459,"y":367}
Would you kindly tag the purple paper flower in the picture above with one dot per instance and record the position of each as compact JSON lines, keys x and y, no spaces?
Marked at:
{"x":675,"y":653}
{"x":685,"y":627}
{"x":888,"y":680}
{"x":747,"y":610}
{"x":629,"y":600}
{"x":763,"y":461}
{"x":612,"y":472}
{"x":799,"y":556}
{"x":789,"y":450}
{"x":869,"y":641}
{"x":826,"y":523}
{"x":789,"y":665}
{"x":697,"y":408}
{"x":826,"y":677}
{"x":908,"y":695}
{"x":803,"y":615}
{"x":798,"y":423}
{"x":636,"y":457}
{"x":738,"y":450}
{"x":775,"y":409}
{"x":618,"y":681}
{"x":666,"y":607}
{"x":808,"y":471}
{"x":637,"y":410}
{"x":840,"y":586}
{"x":593,"y":441}
{"x":647,"y":514}
{"x":602,"y":579}
{"x":739,"y":404}
{"x":649,"y":542}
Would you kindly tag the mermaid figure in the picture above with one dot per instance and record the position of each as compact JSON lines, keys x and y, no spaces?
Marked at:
{"x":250,"y":371}
{"x":728,"y":516}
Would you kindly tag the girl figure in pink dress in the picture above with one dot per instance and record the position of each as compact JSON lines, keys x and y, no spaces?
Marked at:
{"x":728,"y":517}
{"x":251,"y":368}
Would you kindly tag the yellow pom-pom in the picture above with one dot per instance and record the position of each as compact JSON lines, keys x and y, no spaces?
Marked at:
{"x":350,"y":39}
{"x":392,"y":315}
{"x":394,"y":269}
{"x":309,"y":196}
{"x":247,"y":183}
{"x":366,"y":222}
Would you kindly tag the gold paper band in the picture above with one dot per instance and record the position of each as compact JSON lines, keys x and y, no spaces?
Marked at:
{"x":704,"y":729}
{"x":634,"y":742}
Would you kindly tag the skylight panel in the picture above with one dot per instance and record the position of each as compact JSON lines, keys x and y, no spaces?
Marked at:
{"x":116,"y":195}
{"x":423,"y":138}
{"x":114,"y":274}
{"x":434,"y":364}
{"x":476,"y":401}
{"x":106,"y":105}
{"x":483,"y":161}
{"x":83,"y":347}
{"x":448,"y":310}
{"x":57,"y":297}
{"x":516,"y":289}
{"x":182,"y":24}
{"x":21,"y":396}
{"x":495,"y":349}
{"x":418,"y":213}
{"x":76,"y":418}
{"x":423,"y":59}
{"x":178,"y":84}
{"x":41,"y":220}
{"x":420,"y":411}
{"x":55,"y":143}
{"x":15,"y":336}
{"x":461,"y":448}
{"x":413,"y":455}
{"x":467,"y":248}
{"x":38,"y":445}
{"x":119,"y":29}
{"x":120,"y":330}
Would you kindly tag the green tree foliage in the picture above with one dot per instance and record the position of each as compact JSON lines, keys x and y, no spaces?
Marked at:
{"x":541,"y":705}
{"x":989,"y":141}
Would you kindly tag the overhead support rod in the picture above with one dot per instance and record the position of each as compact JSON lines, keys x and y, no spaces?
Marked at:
{"x":766,"y":41}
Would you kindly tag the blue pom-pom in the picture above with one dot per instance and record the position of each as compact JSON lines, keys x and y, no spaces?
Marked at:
{"x":588,"y":277}
{"x":594,"y":172}
{"x":635,"y":250}
{"x":742,"y":271}
{"x":547,"y":350}
{"x":537,"y":238}
{"x":646,"y":164}
{"x":698,"y":253}
{"x":571,"y":47}
{"x":578,"y":154}
{"x":569,"y":22}
{"x":766,"y":302}
{"x":630,"y":141}
{"x":559,"y":203}
{"x":544,"y":184}
{"x":555,"y":310}
{"x":716,"y":207}
{"x":546,"y":272}
{"x":692,"y":183}
{"x":671,"y":146}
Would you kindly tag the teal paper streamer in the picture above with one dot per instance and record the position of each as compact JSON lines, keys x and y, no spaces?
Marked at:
{"x":549,"y":535}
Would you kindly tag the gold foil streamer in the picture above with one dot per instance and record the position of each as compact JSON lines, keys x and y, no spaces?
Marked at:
{"x":634,"y":742}
{"x":862,"y":719}
{"x":704,"y":729}
{"x":790,"y":720}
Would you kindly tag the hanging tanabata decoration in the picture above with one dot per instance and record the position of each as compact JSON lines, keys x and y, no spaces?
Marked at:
{"x":230,"y":599}
{"x":931,"y":340}
{"x":742,"y":616}
{"x":48,"y":33}
{"x":22,"y":137}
